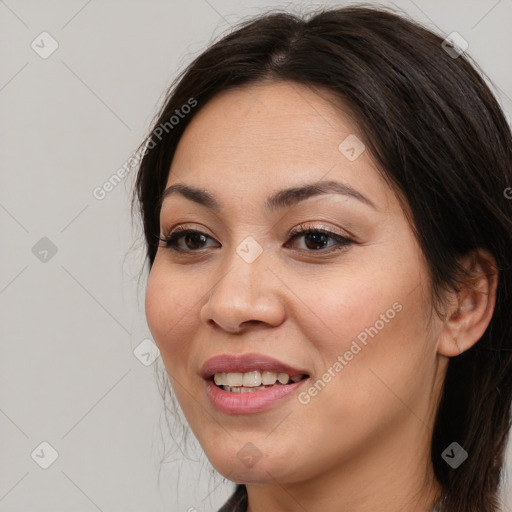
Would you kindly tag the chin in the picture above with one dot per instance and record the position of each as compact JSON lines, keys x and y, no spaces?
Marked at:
{"x":249,"y":464}
{"x":261,"y":473}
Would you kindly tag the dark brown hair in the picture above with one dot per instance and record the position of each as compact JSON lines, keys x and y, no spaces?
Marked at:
{"x":440,"y":139}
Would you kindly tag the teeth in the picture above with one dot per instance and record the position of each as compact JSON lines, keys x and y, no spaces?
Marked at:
{"x":234,"y":379}
{"x":242,"y":389}
{"x":268,"y":378}
{"x":283,"y":378}
{"x":253,"y":380}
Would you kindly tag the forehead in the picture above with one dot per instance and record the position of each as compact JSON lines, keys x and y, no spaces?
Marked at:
{"x":268,"y":136}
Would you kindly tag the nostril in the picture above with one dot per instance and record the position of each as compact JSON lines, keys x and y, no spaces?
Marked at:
{"x":250,"y":322}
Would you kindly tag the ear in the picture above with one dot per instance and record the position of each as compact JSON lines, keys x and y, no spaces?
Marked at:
{"x":472,"y":307}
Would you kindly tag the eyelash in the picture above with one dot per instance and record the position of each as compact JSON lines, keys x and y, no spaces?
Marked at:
{"x":170,"y":240}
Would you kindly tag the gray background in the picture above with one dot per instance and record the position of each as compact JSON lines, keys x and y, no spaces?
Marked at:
{"x":72,"y":320}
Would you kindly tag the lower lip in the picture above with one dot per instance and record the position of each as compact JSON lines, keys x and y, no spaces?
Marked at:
{"x":249,"y":402}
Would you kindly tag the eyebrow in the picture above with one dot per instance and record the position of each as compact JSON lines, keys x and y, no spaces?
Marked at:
{"x":283,"y":198}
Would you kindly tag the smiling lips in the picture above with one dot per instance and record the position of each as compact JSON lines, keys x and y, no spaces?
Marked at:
{"x":248,"y":383}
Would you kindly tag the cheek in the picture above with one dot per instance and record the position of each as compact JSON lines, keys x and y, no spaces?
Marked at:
{"x":171,"y":302}
{"x":376,"y":322}
{"x":340,"y":306}
{"x":173,"y":299}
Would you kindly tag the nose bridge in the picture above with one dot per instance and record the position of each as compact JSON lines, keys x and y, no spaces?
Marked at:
{"x":244,"y":293}
{"x":245,"y":272}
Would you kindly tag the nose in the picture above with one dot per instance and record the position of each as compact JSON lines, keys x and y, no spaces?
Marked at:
{"x":247,"y":294}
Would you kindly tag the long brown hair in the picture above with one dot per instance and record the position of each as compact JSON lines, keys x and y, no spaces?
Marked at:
{"x":441,"y":140}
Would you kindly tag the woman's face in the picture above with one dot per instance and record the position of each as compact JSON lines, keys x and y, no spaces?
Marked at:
{"x":349,"y":308}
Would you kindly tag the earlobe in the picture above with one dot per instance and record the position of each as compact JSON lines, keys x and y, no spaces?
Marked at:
{"x":472,"y":307}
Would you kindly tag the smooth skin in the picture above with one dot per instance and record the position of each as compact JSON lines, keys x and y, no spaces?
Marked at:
{"x":363,"y":442}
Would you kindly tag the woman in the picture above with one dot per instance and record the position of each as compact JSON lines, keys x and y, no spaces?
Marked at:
{"x":329,"y":238}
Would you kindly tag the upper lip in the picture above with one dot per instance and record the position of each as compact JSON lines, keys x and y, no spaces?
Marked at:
{"x":242,"y":363}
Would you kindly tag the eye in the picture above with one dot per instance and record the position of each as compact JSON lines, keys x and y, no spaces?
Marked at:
{"x":185,"y":240}
{"x":316,"y":239}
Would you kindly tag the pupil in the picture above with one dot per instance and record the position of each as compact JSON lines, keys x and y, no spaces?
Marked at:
{"x":317,"y":238}
{"x":195,"y":243}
